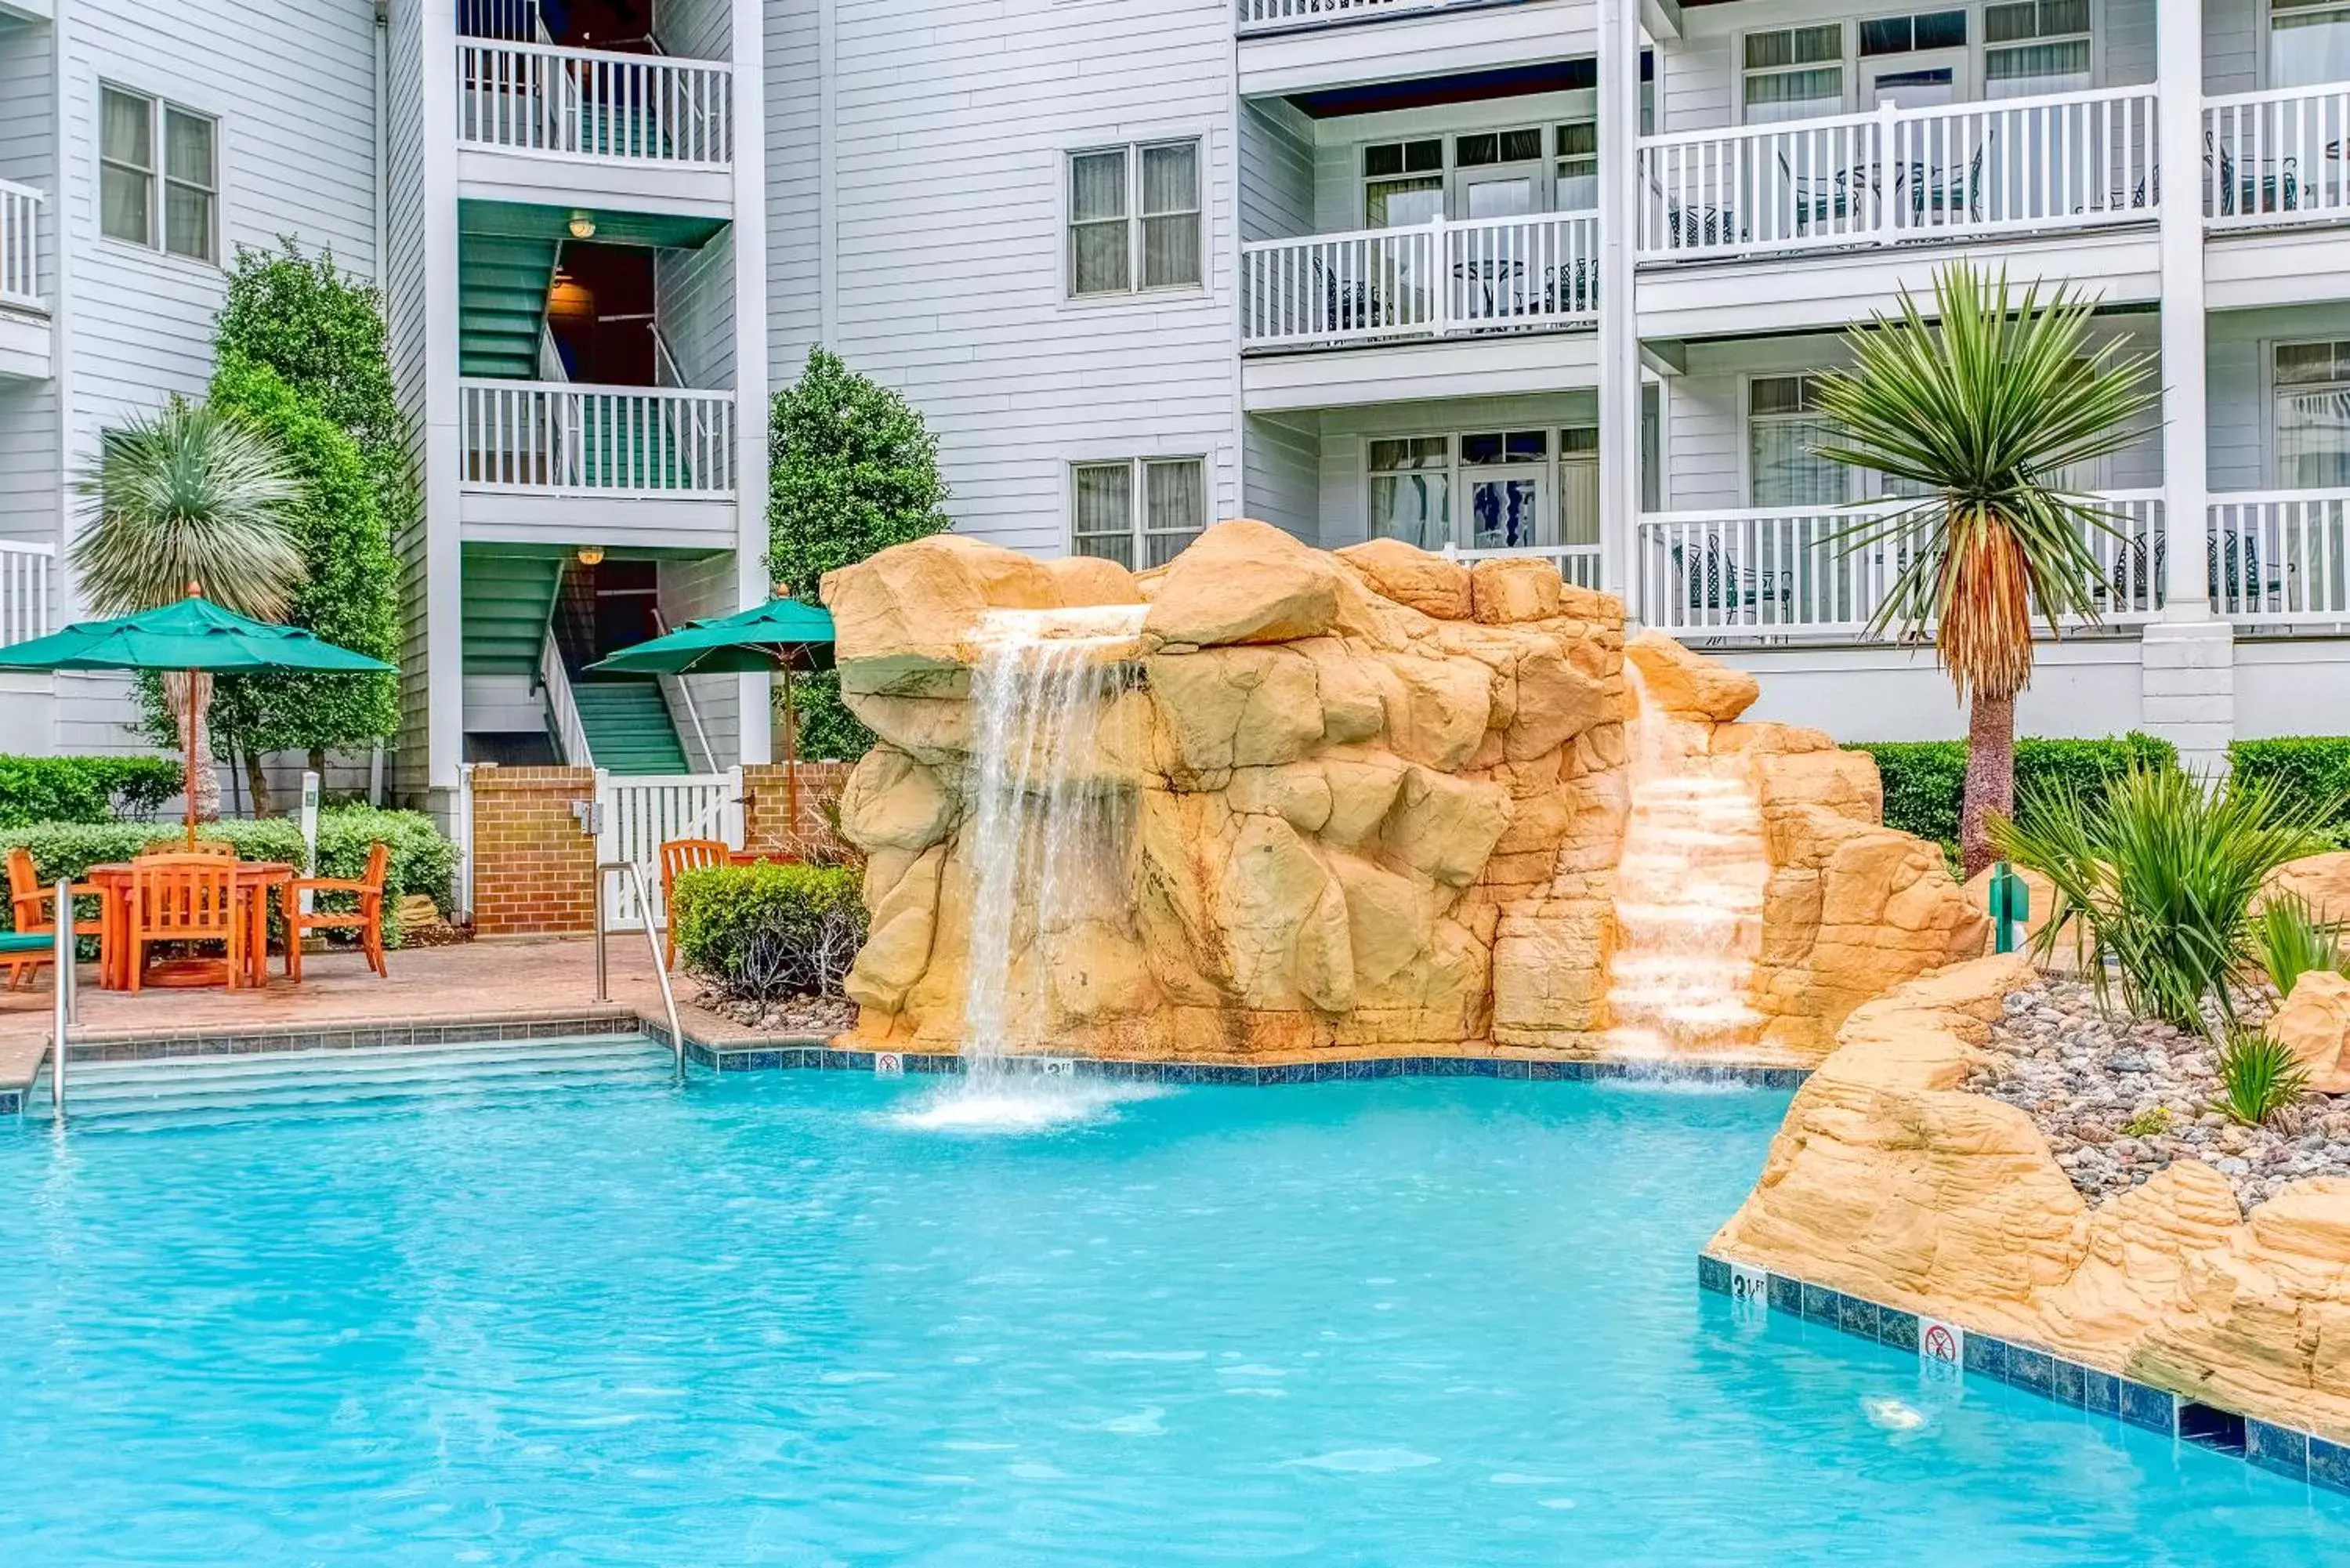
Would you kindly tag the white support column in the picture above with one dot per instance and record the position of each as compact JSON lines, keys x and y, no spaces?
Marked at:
{"x":2186,"y":659}
{"x":445,"y":629}
{"x":756,"y":741}
{"x":1620,"y":348}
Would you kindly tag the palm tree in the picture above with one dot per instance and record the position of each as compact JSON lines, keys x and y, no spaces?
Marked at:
{"x":1978,"y":419}
{"x":188,"y":500}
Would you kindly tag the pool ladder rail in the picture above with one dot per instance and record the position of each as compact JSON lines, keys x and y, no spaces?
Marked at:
{"x":66,"y":985}
{"x":636,"y":874}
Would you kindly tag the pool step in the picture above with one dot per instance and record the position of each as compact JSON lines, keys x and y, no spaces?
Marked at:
{"x":266,"y":1079}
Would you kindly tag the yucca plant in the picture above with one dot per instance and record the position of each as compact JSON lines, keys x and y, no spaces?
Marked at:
{"x":2259,"y":1076}
{"x":189,"y":500}
{"x":2161,"y":871}
{"x":1983,"y":410}
{"x":2291,"y":938}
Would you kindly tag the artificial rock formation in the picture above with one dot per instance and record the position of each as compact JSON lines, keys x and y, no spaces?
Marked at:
{"x":1374,"y":799}
{"x":1890,"y":1181}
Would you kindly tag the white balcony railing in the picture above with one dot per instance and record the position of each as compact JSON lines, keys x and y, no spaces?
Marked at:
{"x":1258,"y":15}
{"x":1578,"y":564}
{"x":2072,"y":160}
{"x":592,"y":103}
{"x":1485,"y":275}
{"x":1799,"y":572}
{"x":20,"y":246}
{"x":2277,"y":558}
{"x":25,"y":592}
{"x":571,"y":439}
{"x":2277,"y":157}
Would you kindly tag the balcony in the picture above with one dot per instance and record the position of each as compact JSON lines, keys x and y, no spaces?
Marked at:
{"x":617,"y":465}
{"x":628,"y":127}
{"x":24,"y":337}
{"x":1267,"y":15}
{"x":1778,"y":575}
{"x":2278,"y":557}
{"x":1440,"y":280}
{"x":25,"y":592}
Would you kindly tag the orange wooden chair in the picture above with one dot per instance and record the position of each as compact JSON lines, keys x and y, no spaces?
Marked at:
{"x":682,"y":854}
{"x":33,"y":905}
{"x":184,"y":898}
{"x":366,"y":920}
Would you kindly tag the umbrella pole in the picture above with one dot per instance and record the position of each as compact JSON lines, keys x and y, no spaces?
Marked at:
{"x":188,"y":751}
{"x":791,"y":757}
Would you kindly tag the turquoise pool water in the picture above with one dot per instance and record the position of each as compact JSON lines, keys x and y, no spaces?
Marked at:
{"x":775,"y":1318}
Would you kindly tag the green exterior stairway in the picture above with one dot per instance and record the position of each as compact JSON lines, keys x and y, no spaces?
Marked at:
{"x":501,"y":284}
{"x":628,"y":726}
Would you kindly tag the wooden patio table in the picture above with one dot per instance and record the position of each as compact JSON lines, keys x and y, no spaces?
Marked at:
{"x":256,"y":881}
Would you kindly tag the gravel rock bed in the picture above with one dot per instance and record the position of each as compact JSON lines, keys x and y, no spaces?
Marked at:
{"x":2097,"y":1082}
{"x":824,"y":1016}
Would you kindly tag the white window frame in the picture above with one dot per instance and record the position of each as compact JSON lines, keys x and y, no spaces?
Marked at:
{"x":1849,"y":31}
{"x":1977,"y":52}
{"x":1135,"y":286}
{"x":1980,"y":49}
{"x":159,"y":180}
{"x":2272,"y":458}
{"x":1459,"y":474}
{"x":1450,"y":172}
{"x":1139,"y":534}
{"x":2263,"y":32}
{"x":1853,"y":484}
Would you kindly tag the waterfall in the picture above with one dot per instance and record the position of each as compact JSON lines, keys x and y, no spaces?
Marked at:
{"x":1048,"y":828}
{"x":1688,"y":895}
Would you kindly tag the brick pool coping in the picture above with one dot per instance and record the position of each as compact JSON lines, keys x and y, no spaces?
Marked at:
{"x":2285,"y":1450}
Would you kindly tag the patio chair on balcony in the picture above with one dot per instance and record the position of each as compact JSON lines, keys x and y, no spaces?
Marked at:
{"x":1716,"y":582}
{"x":1571,"y":288}
{"x":2233,"y":575}
{"x":2267,"y":186}
{"x":1826,"y":200}
{"x":1938,"y":190}
{"x":1350,"y":305}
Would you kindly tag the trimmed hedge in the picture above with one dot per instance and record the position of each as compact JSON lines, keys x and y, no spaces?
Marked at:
{"x":2312,"y":769}
{"x":769,"y":932}
{"x":1925,"y":781}
{"x":83,"y":789}
{"x":423,"y":860}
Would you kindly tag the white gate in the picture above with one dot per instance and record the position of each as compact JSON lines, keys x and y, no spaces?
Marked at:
{"x":636,"y":813}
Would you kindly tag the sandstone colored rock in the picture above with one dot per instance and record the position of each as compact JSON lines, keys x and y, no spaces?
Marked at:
{"x":2321,"y":880}
{"x":1888,"y":1181}
{"x":1369,"y":802}
{"x":1245,"y":581}
{"x":1687,"y":685}
{"x":2313,"y":1022}
{"x":1414,"y":579}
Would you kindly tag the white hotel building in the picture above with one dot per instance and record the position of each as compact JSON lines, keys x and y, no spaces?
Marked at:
{"x":1545,"y":276}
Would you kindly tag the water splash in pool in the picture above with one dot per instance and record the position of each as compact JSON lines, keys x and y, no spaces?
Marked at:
{"x":1689,"y":896}
{"x":1051,"y":830}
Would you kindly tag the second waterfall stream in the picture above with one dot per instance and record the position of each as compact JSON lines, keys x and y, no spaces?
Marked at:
{"x":1689,"y":897}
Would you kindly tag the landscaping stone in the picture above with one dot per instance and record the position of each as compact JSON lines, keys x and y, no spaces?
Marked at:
{"x":2119,"y":1099}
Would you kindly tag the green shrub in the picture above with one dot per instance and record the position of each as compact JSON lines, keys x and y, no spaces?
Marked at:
{"x":2161,"y":868}
{"x":2291,"y":939}
{"x":2315,"y":769}
{"x":1925,"y":781}
{"x":423,"y":860}
{"x":83,"y":789}
{"x":2259,"y":1076}
{"x":766,"y":933}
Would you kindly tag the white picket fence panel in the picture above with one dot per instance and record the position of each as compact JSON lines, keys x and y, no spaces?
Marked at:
{"x":592,"y":103}
{"x":636,"y":813}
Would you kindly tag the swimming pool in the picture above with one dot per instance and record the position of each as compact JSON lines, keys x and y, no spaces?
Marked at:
{"x":795,"y":1317}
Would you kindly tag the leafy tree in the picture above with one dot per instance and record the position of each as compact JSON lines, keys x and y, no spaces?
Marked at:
{"x":190,"y":497}
{"x":851,"y":471}
{"x":347,"y":593}
{"x":1984,"y":411}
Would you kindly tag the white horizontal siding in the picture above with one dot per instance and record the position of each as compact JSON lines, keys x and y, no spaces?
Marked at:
{"x":1276,"y":175}
{"x":1281,"y":479}
{"x":795,"y":250}
{"x":693,"y":303}
{"x":695,"y":29}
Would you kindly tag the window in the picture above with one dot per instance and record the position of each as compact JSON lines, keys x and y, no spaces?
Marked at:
{"x":1403,"y":184}
{"x":174,"y":208}
{"x":2312,"y":415}
{"x":2309,"y":42}
{"x":1907,"y":35}
{"x":1411,"y":490}
{"x":1134,"y":218}
{"x":1782,"y":424}
{"x":2035,"y":47}
{"x":1578,"y":166}
{"x":1794,"y":74}
{"x":1138,"y":513}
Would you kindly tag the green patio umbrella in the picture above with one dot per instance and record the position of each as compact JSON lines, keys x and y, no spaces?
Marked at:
{"x":195,"y":635}
{"x":782,"y":634}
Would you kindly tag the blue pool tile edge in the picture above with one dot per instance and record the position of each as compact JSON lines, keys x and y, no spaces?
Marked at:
{"x":2298,"y":1454}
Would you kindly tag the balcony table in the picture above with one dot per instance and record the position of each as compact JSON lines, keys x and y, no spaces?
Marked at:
{"x":1487,"y":273}
{"x":257,"y":880}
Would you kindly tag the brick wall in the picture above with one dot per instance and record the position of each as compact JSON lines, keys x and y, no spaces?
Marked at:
{"x":534,"y":870}
{"x":766,"y":813}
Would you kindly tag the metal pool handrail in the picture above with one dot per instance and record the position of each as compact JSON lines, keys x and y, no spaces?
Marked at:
{"x":661,"y":970}
{"x":63,"y":963}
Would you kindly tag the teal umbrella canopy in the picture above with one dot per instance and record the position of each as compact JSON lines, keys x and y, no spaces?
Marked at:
{"x":780,"y":634}
{"x":193,"y":634}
